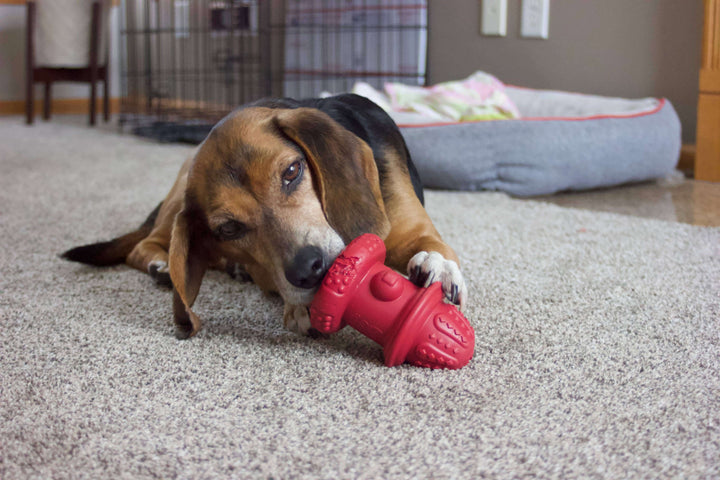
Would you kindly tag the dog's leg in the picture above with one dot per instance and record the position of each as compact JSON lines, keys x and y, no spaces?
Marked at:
{"x":415,"y":246}
{"x":151,"y":256}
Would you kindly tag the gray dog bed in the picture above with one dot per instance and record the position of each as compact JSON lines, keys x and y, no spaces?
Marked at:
{"x":564,"y":141}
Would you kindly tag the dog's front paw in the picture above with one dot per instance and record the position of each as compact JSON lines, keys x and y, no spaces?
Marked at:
{"x":426,"y":268}
{"x":160,"y":272}
{"x":297,"y":319}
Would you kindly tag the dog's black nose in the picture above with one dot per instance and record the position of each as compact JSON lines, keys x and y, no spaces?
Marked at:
{"x":307,"y":268}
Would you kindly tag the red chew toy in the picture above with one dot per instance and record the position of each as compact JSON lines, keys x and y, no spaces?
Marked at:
{"x":412,"y":324}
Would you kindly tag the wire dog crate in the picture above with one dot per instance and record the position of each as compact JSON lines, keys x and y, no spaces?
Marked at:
{"x":187,"y":63}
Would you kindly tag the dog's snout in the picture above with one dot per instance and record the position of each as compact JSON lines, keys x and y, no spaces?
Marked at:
{"x":307,"y":268}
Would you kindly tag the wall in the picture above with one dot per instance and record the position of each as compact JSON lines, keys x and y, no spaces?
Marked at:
{"x":627,"y":48}
{"x":12,"y":59}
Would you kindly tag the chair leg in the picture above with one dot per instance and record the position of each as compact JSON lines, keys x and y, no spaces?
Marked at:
{"x":106,"y":78}
{"x":30,"y":64}
{"x":93,"y":95}
{"x":94,"y":41}
{"x":29,"y":99}
{"x":48,"y":100}
{"x":106,"y":99}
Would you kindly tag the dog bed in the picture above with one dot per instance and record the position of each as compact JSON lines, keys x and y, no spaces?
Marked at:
{"x":562,"y":141}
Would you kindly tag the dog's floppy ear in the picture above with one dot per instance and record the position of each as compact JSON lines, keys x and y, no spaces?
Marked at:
{"x":344,"y":171}
{"x":188,"y":262}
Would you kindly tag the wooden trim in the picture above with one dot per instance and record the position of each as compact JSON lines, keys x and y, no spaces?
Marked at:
{"x":687,"y":158}
{"x":711,"y":36}
{"x":707,"y":160}
{"x":59,"y":106}
{"x":710,"y":81}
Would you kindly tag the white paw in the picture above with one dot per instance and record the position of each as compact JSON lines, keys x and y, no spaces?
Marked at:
{"x":160,"y":272}
{"x":158,"y":266}
{"x":426,"y":268}
{"x":297,"y":318}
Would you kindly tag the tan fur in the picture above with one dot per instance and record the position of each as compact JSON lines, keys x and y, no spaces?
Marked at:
{"x":412,"y":230}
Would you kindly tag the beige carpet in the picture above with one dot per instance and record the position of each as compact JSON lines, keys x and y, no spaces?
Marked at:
{"x":598,"y":345}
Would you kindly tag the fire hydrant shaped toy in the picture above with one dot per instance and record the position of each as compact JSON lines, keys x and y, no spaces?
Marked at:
{"x":412,"y":324}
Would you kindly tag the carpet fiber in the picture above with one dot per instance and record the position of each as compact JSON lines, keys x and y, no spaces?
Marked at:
{"x":598,"y":345}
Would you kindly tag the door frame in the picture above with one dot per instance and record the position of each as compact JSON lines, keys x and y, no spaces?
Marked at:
{"x":707,"y":154}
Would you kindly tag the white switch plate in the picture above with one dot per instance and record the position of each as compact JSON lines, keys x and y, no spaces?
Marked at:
{"x":535,"y":18}
{"x":494,"y":17}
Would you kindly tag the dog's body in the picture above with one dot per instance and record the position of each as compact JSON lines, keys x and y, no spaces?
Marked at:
{"x":279,"y":187}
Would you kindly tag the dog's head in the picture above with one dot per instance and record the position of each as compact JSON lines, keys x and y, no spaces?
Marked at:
{"x":280,"y":191}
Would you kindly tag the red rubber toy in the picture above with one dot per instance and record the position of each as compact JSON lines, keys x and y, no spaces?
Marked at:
{"x":412,"y":324}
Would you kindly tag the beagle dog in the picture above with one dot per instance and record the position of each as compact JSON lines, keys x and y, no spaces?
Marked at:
{"x":278,"y":188}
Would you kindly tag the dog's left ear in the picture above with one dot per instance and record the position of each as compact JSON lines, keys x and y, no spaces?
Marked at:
{"x":189,"y":259}
{"x":344,"y":170}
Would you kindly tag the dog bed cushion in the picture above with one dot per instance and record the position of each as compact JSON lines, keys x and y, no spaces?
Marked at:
{"x":562,"y":141}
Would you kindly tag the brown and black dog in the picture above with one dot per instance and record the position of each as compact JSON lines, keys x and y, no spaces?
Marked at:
{"x":279,"y":187}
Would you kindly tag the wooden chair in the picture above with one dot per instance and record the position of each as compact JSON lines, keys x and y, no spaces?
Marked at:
{"x":91,"y":69}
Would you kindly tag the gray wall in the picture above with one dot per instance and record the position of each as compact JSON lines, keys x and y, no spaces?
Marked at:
{"x":627,"y":48}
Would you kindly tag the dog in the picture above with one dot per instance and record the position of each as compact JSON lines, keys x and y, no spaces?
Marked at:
{"x":276,"y":191}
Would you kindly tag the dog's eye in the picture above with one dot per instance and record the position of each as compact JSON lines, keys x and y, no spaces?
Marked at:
{"x":292,"y":174}
{"x":231,"y":230}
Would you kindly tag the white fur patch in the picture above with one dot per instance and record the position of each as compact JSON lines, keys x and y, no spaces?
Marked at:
{"x":426,"y":268}
{"x":297,"y":318}
{"x":160,"y":266}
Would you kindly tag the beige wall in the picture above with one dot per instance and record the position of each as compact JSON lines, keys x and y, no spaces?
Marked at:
{"x":628,"y":48}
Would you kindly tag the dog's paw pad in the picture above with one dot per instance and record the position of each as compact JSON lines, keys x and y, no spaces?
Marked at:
{"x":426,"y":268}
{"x":160,"y":272}
{"x":297,"y":319}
